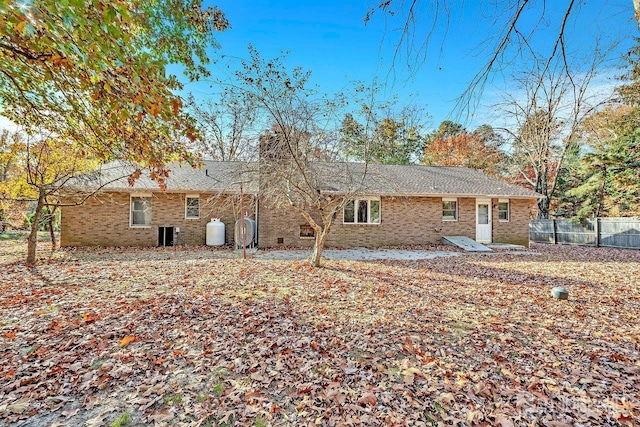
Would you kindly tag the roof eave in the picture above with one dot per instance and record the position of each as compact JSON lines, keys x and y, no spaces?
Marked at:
{"x":460,"y":195}
{"x":171,"y":191}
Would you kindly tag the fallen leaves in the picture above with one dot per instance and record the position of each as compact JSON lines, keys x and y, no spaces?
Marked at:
{"x":90,"y":318}
{"x":368,"y":399}
{"x":127,"y":340}
{"x":18,"y":407}
{"x":188,"y":336}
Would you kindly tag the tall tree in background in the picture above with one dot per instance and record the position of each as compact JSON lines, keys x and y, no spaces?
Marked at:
{"x":95,"y":72}
{"x":629,"y":146}
{"x":394,"y":139}
{"x":565,"y":203}
{"x":44,"y":166}
{"x":610,"y":179}
{"x":226,"y":125}
{"x":610,"y":172}
{"x":11,"y":147}
{"x":549,"y":120}
{"x":452,"y":145}
{"x":10,"y":144}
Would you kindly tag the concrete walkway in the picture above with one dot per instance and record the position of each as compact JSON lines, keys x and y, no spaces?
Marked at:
{"x":357,"y":254}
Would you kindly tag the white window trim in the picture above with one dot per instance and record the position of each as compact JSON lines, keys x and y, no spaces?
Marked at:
{"x":508,"y":202}
{"x":355,"y":211}
{"x":131,"y":196}
{"x":451,"y":199}
{"x":186,"y":206}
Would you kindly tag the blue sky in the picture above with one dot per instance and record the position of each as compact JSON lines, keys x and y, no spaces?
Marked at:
{"x":330,"y":39}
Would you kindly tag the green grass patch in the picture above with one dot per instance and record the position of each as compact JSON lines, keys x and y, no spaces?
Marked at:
{"x":97,"y":364}
{"x":218,"y":389}
{"x":19,"y":235}
{"x":12,"y":235}
{"x":228,"y":423}
{"x":121,"y":420}
{"x":173,"y":399}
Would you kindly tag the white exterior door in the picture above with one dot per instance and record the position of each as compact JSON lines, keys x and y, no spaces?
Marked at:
{"x":483,"y":220}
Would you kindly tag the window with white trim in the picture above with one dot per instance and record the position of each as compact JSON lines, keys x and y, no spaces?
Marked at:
{"x":449,"y":209}
{"x":192,"y":207}
{"x":362,"y":211}
{"x":140,"y":215}
{"x":503,"y":210}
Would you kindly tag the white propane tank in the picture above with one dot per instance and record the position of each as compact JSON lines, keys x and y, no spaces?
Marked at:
{"x":215,"y":232}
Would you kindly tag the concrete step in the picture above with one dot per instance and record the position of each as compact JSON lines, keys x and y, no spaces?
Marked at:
{"x":465,"y":243}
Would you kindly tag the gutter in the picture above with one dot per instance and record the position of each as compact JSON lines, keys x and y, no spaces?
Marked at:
{"x":533,"y":196}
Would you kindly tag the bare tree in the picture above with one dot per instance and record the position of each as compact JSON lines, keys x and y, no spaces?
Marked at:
{"x":548,"y":119}
{"x":226,"y":125}
{"x":297,"y":166}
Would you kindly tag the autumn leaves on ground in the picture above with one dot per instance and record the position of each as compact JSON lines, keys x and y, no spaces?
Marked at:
{"x":198,"y":337}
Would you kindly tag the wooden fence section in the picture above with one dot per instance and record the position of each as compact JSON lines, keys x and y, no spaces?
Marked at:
{"x":608,"y":232}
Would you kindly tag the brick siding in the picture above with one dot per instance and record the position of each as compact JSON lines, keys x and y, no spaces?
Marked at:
{"x":103,"y":220}
{"x":516,"y":230}
{"x":404,"y":221}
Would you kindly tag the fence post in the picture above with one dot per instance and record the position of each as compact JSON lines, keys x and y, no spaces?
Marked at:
{"x":596,"y":229}
{"x":555,"y":232}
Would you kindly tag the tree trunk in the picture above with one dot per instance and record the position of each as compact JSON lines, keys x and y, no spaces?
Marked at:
{"x":542,"y":188}
{"x":318,"y":247}
{"x":54,"y":243}
{"x":601,"y":195}
{"x":33,"y":234}
{"x":543,"y":208}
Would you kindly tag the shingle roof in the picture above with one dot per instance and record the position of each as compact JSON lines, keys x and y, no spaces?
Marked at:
{"x":440,"y":181}
{"x":211,"y":176}
{"x":383,"y":180}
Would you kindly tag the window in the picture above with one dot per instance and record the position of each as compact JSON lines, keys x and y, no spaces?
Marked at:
{"x":307,"y":231}
{"x":192,"y":207}
{"x":483,"y":213}
{"x":362,"y":211}
{"x":503,"y":210}
{"x":140,"y":211}
{"x":449,"y":209}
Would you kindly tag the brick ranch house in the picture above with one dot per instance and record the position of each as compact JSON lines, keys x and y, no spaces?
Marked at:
{"x":400,"y":205}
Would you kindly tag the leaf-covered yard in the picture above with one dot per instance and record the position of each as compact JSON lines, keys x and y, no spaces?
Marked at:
{"x":198,"y":337}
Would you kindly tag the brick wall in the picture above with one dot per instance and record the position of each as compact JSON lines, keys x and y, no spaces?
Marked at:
{"x":404,"y":221}
{"x":516,"y":230}
{"x":104,"y":220}
{"x":407,"y":221}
